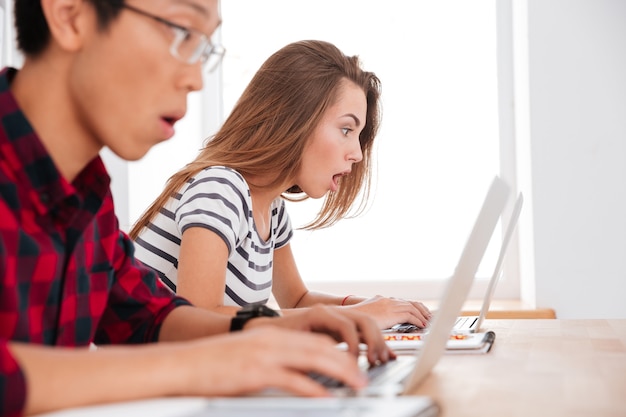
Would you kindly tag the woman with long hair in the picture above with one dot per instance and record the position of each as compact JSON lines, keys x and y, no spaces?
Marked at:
{"x":304,"y":127}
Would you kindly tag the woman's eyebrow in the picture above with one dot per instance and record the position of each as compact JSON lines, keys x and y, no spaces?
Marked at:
{"x":356,"y":119}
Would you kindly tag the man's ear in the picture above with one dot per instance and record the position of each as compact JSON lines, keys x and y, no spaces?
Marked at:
{"x":66,"y":20}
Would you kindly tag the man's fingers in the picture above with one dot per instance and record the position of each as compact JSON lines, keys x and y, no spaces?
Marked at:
{"x":377,"y":349}
{"x":336,"y":323}
{"x":311,"y":353}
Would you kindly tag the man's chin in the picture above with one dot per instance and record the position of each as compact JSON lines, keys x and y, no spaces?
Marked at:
{"x":131,"y":154}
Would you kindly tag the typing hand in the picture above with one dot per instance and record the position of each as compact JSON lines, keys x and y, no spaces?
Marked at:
{"x":267,"y":357}
{"x":389,"y":311}
{"x":344,"y":325}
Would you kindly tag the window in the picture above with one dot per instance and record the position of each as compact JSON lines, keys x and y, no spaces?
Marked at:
{"x":446,"y":131}
{"x":439,"y":144}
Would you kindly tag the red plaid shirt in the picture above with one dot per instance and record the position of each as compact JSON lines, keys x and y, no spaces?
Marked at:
{"x":68,"y":276}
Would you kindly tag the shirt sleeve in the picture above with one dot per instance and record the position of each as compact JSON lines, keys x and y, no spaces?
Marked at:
{"x":12,"y":384}
{"x":138,"y":302}
{"x":218,"y":199}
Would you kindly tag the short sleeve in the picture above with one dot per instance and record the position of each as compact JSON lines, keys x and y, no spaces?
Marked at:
{"x":137,"y":303}
{"x":218,"y":199}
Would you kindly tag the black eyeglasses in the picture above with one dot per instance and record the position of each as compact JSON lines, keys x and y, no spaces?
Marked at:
{"x":189,"y":45}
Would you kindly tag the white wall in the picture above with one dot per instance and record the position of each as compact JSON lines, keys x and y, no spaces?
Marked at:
{"x":577,"y":96}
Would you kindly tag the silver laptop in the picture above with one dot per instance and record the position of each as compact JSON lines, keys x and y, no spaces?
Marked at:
{"x":408,"y":406}
{"x":388,"y":392}
{"x":471,"y":324}
{"x":408,"y":371}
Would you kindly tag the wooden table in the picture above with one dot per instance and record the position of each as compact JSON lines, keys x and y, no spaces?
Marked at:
{"x":502,"y":309}
{"x":537,"y":368}
{"x":542,"y":368}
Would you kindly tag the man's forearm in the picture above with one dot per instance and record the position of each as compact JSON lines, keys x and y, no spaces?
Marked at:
{"x":69,"y":377}
{"x":187,"y":322}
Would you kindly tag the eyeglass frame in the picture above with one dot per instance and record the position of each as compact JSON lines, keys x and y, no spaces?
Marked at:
{"x":202,"y":53}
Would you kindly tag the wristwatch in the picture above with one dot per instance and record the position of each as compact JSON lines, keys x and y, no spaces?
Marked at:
{"x":250,"y":312}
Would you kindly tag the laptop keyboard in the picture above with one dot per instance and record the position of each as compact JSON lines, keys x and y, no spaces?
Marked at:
{"x":377,"y":374}
{"x":461,"y":321}
{"x":407,"y":328}
{"x":411,"y":328}
{"x":465,"y":322}
{"x":325,"y":380}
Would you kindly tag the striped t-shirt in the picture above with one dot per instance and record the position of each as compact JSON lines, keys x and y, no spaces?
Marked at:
{"x":218,"y":199}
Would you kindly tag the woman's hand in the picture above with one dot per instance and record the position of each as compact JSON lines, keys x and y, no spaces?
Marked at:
{"x":389,"y":311}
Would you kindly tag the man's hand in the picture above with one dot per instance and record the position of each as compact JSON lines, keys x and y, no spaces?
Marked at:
{"x":343,"y":325}
{"x":267,"y":357}
{"x":227,"y":365}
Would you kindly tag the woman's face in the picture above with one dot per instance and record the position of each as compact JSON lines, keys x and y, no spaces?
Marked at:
{"x":334,"y":145}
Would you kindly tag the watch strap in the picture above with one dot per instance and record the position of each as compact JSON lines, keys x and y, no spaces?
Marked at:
{"x":250,"y":312}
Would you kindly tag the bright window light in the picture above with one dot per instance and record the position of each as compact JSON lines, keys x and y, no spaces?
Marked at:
{"x":438,"y":146}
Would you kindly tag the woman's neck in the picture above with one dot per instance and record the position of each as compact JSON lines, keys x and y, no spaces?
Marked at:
{"x":262,"y":199}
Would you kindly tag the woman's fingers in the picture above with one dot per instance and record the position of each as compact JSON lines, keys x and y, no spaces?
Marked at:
{"x":390,"y":311}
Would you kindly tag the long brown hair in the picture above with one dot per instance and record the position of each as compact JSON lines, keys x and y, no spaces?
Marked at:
{"x":267,"y":131}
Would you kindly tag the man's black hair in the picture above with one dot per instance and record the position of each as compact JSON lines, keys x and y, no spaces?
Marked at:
{"x":32,"y":29}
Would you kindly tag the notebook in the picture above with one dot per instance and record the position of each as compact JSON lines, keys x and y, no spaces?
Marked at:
{"x":471,"y":324}
{"x":460,"y":343}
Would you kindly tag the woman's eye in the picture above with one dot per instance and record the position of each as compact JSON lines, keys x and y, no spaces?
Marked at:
{"x":346,"y":130}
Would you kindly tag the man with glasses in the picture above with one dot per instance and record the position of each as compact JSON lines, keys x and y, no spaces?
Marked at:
{"x":106,"y":73}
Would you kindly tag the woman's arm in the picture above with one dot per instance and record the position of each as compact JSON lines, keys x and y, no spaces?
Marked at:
{"x":289,"y":288}
{"x":291,"y":292}
{"x":202,"y":270}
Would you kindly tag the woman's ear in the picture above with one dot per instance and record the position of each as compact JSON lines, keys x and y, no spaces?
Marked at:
{"x":66,"y":20}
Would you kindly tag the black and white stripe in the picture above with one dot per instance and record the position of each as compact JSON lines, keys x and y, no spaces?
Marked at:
{"x":218,"y":199}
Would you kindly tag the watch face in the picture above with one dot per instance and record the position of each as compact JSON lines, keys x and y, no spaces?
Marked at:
{"x":257,"y":310}
{"x":249,"y":312}
{"x":267,"y":312}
